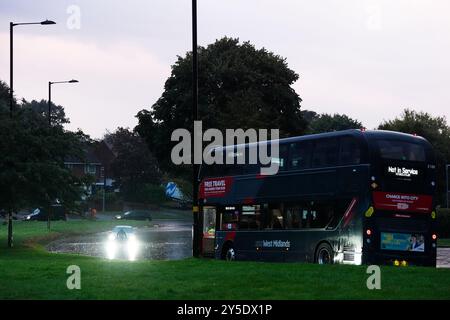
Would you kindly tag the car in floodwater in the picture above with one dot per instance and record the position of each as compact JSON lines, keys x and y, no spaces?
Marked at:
{"x":122,"y":243}
{"x":135,"y":215}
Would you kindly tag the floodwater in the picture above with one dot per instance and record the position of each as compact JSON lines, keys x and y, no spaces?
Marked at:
{"x":166,"y":240}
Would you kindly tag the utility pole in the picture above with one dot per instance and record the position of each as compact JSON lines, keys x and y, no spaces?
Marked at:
{"x":195,"y":210}
{"x":447,"y":182}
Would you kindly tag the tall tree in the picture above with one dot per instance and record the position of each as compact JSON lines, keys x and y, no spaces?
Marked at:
{"x":32,"y":171}
{"x":239,"y":87}
{"x":134,"y":166}
{"x":434,"y":129}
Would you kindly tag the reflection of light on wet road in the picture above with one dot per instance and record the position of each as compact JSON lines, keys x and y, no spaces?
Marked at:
{"x":169,"y":241}
{"x":443,"y":258}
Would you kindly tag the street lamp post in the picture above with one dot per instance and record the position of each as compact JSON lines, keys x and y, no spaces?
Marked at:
{"x":50,"y":123}
{"x":11,"y":96}
{"x":195,"y":209}
{"x":11,"y":50}
{"x":50,"y":97}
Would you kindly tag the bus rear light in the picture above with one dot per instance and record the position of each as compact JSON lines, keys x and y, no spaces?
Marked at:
{"x":433,"y":215}
{"x":434,"y":236}
{"x":369,"y":232}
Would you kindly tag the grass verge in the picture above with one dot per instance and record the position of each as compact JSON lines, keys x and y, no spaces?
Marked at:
{"x":32,"y":273}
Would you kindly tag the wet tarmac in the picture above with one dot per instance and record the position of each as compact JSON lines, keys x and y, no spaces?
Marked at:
{"x":443,"y":258}
{"x":166,"y":240}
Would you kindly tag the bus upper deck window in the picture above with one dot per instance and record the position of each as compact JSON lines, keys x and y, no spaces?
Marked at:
{"x":300,"y":155}
{"x":401,"y":150}
{"x":325,"y":153}
{"x":350,"y":152}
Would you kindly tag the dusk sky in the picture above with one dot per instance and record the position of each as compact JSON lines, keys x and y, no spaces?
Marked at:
{"x":365,"y":58}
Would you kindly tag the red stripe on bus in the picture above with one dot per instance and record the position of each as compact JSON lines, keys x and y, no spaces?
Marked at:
{"x":249,"y":201}
{"x":349,"y":212}
{"x":230,"y":235}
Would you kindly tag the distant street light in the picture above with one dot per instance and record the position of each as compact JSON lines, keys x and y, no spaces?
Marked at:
{"x":11,"y":97}
{"x":50,"y":97}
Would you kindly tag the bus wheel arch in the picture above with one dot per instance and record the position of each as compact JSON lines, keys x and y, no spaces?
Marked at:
{"x":324,"y":253}
{"x":228,"y":251}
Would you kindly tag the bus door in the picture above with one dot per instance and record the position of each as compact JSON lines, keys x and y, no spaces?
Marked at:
{"x":209,"y":230}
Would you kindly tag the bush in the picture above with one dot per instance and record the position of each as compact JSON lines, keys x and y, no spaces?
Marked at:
{"x":443,"y":223}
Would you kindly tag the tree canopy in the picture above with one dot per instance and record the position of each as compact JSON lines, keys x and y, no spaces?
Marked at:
{"x":318,"y":123}
{"x":134,"y":167}
{"x":57,"y":111}
{"x":32,"y":171}
{"x":239,"y":87}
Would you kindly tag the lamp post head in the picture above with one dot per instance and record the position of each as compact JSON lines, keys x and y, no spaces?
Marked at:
{"x":47,"y":22}
{"x":73,"y":81}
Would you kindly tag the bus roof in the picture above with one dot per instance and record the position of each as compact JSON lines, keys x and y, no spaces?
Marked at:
{"x":369,"y":134}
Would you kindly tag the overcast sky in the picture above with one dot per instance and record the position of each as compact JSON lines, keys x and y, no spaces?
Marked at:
{"x":365,"y":58}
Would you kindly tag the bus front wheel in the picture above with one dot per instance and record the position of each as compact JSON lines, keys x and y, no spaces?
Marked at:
{"x":324,"y":254}
{"x":229,"y":253}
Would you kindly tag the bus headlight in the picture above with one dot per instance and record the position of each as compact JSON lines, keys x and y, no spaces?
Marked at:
{"x":358,"y":258}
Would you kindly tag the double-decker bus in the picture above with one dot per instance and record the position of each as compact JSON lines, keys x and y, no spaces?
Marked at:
{"x":351,"y":196}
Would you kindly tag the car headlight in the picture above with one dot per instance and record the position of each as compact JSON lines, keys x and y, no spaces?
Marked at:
{"x":110,"y":237}
{"x":111,"y":250}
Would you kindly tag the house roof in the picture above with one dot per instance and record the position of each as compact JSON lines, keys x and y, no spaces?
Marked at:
{"x":89,"y":157}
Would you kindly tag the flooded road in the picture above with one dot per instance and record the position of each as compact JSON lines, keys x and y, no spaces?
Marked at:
{"x":166,"y":240}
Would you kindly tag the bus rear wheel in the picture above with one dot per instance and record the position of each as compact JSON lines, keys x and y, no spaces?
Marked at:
{"x":229,"y":253}
{"x":324,"y":254}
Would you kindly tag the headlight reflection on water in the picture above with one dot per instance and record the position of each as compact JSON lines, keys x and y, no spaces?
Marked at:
{"x":129,"y":248}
